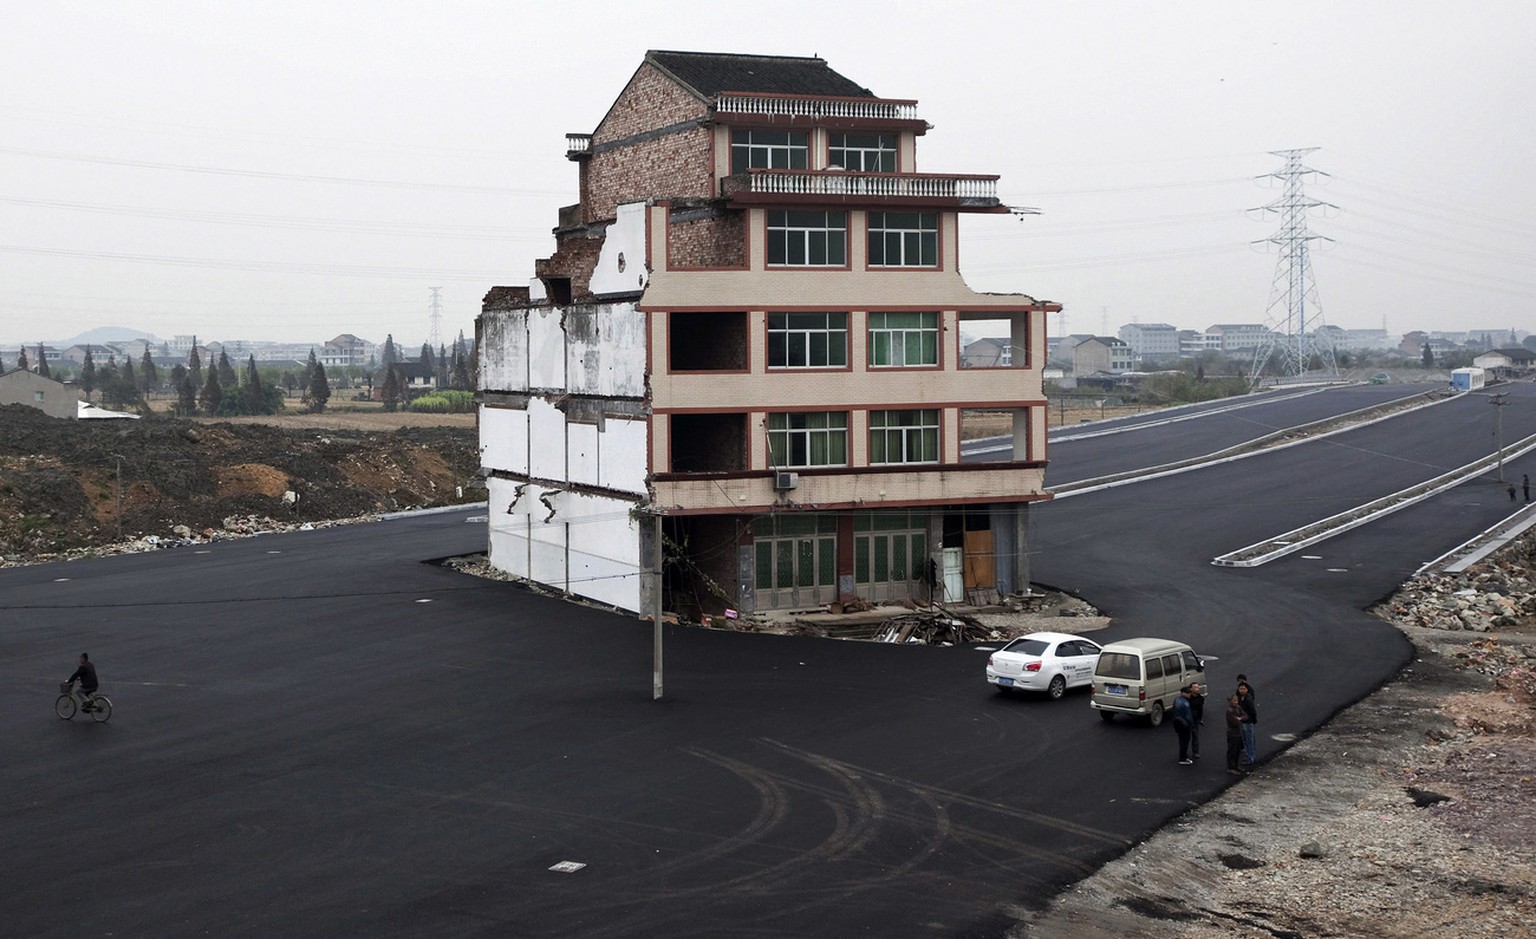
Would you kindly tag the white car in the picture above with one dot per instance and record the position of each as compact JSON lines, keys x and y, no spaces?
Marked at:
{"x":1048,"y":662}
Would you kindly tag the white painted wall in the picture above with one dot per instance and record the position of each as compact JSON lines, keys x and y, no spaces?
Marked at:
{"x":621,"y":261}
{"x":504,"y":439}
{"x":590,"y":547}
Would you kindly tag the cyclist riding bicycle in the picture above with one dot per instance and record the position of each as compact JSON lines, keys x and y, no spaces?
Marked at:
{"x":86,"y":674}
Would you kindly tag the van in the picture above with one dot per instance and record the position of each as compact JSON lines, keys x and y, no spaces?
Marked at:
{"x":1142,"y":677}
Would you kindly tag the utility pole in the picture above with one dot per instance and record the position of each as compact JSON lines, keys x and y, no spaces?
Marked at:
{"x":118,"y":473}
{"x":1295,"y":314}
{"x":656,"y":613}
{"x":1498,"y":427}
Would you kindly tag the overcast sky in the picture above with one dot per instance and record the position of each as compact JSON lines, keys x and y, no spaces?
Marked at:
{"x":291,"y":171}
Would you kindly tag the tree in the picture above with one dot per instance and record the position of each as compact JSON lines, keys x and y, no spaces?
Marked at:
{"x":195,"y":365}
{"x":88,"y":373}
{"x":149,"y":376}
{"x":186,"y":396}
{"x":255,"y":396}
{"x":42,"y":362}
{"x":213,"y":394}
{"x":1429,"y":356}
{"x":308,"y":377}
{"x":227,"y":377}
{"x":128,"y":376}
{"x":391,"y":389}
{"x":21,"y":361}
{"x":319,"y":389}
{"x":426,"y":358}
{"x":389,"y":356}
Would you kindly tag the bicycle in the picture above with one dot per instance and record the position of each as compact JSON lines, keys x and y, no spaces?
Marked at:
{"x":96,"y":704}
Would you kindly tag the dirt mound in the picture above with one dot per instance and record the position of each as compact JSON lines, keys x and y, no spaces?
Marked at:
{"x":60,"y":486}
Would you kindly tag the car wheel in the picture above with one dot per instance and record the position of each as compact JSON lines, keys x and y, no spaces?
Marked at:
{"x":1155,"y":716}
{"x":1056,"y":688}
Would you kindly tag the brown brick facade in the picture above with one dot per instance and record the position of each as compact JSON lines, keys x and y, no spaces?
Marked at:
{"x":675,"y":164}
{"x":711,"y":241}
{"x":650,"y":101}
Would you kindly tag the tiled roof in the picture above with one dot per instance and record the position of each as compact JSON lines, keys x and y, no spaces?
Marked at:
{"x":710,"y":73}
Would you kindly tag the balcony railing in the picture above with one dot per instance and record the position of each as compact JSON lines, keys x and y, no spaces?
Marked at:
{"x":966,"y":190}
{"x":577,"y":145}
{"x":878,"y":109}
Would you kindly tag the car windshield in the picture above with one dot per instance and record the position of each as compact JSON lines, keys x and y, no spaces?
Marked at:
{"x":1027,"y":646}
{"x":1118,"y":665}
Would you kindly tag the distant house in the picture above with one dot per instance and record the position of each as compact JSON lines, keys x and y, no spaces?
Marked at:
{"x":1101,"y":354}
{"x":345,"y":349}
{"x":1238,"y":337}
{"x":1151,"y":342}
{"x":76,"y":354}
{"x":1505,"y":364}
{"x":987,"y":353}
{"x":415,"y":376}
{"x":53,"y":398}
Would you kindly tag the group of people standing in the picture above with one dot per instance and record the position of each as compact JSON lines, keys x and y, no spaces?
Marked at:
{"x":1242,"y":715}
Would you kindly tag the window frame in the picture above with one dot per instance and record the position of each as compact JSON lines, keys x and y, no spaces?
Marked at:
{"x":790,"y":148}
{"x":880,"y":339}
{"x":902,"y":239}
{"x":833,"y":337}
{"x":894,"y":151}
{"x":926,"y":435}
{"x":797,"y":225}
{"x":782,"y":440}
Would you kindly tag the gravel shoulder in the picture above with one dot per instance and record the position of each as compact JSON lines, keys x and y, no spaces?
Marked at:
{"x":1409,"y":814}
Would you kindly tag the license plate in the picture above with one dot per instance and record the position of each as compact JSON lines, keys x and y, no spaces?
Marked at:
{"x":1004,"y":681}
{"x":1115,"y":689}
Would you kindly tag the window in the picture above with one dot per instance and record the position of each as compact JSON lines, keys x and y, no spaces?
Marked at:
{"x":807,"y":340}
{"x":807,"y":239}
{"x":768,"y":149}
{"x":899,"y":339}
{"x":863,"y":153}
{"x":818,"y":438}
{"x":904,"y":436}
{"x":903,"y":239}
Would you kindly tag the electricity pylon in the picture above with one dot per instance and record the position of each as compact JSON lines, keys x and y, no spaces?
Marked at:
{"x":1293,"y":335}
{"x":436,"y":317}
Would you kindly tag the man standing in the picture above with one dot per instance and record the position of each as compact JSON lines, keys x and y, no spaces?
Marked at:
{"x":1245,"y":700}
{"x":1197,"y":717}
{"x":1183,"y":721}
{"x":1235,"y":724}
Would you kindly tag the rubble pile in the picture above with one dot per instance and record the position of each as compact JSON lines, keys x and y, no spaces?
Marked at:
{"x":74,"y":488}
{"x":1495,"y":594}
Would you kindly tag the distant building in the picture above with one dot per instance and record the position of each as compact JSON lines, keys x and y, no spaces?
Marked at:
{"x":75,"y":355}
{"x":1151,"y":342}
{"x":1238,"y":337}
{"x":53,"y":398}
{"x":1506,"y":364}
{"x":345,"y":349}
{"x":987,"y":353}
{"x":1101,"y":354}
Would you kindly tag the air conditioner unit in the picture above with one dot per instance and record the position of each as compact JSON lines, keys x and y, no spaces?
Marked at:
{"x":783,"y":482}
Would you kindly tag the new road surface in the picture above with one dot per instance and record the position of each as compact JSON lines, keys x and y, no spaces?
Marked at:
{"x":327,"y":734}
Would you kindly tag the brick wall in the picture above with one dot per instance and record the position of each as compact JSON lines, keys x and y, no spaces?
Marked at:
{"x":674,"y":165}
{"x":715,"y":241}
{"x":574,"y":258}
{"x":649,"y":101}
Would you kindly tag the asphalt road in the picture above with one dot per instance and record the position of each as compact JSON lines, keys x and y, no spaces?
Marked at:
{"x":321,"y":734}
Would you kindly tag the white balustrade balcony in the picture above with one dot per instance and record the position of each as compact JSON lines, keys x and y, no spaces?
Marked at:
{"x":952,"y":190}
{"x":764,"y":105}
{"x":577,"y":145}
